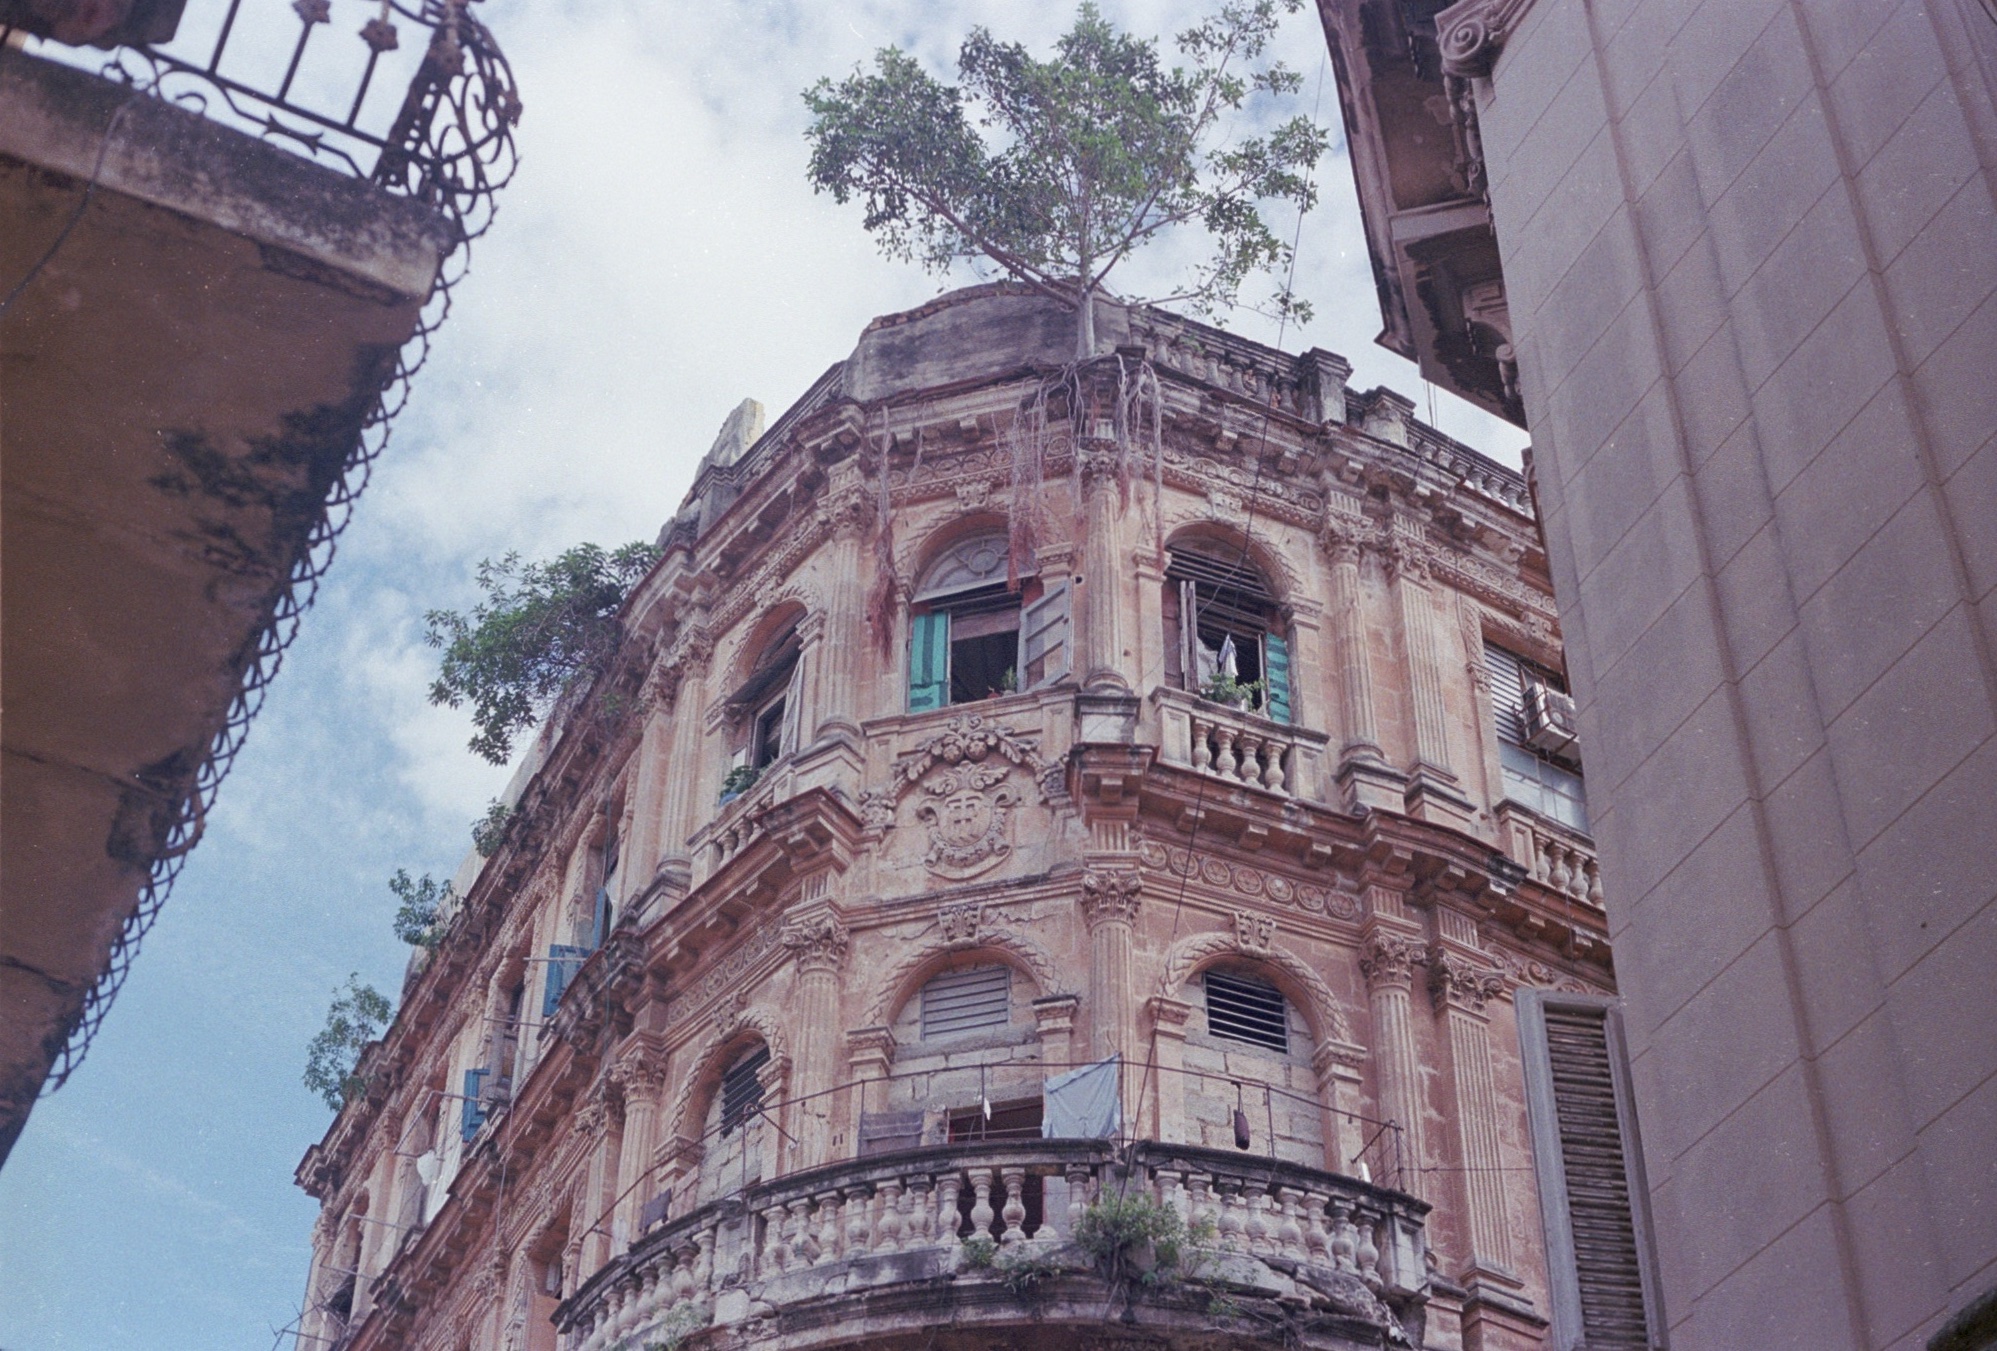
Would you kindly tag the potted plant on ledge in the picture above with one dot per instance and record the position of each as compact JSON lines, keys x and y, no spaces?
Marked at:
{"x":739,"y":781}
{"x":1223,"y":688}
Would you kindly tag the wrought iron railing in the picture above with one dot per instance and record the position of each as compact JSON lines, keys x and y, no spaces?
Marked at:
{"x":423,"y":105}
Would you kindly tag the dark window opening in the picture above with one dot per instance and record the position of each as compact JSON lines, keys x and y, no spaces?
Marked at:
{"x":767,"y":742}
{"x":1220,"y":615}
{"x":742,"y":1089}
{"x":507,"y":1036}
{"x":1009,"y":1121}
{"x":1240,"y":1008}
{"x":1547,"y":782}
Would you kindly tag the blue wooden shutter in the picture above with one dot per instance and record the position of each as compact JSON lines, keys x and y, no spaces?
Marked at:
{"x":562,"y":963}
{"x":1276,"y":670}
{"x":928,"y":661}
{"x":474,"y":1110}
{"x":600,"y":928}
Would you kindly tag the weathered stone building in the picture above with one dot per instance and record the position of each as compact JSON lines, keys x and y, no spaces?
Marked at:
{"x":985,"y":720}
{"x":1735,"y":263}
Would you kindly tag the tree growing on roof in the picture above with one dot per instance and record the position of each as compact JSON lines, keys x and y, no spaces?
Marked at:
{"x":332,"y":1057}
{"x":1057,"y":170}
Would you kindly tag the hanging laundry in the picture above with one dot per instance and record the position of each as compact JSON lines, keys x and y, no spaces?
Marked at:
{"x":1084,"y":1104}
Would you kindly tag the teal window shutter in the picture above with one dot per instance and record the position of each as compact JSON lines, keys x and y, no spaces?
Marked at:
{"x":928,"y":661}
{"x":600,"y":929}
{"x":563,"y":959}
{"x":474,"y":1110}
{"x":1276,"y":670}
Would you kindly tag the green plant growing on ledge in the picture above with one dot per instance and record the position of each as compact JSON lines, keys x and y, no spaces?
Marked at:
{"x":543,"y":629}
{"x":424,"y":903}
{"x":489,"y":831}
{"x":333,"y":1055}
{"x":1135,"y":1241}
{"x":739,"y":781}
{"x":1223,"y":688}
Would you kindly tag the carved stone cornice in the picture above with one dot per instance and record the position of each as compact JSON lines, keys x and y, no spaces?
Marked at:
{"x":1456,"y":983}
{"x":1110,"y":895}
{"x":1471,"y":33}
{"x":1388,"y":960}
{"x":818,"y":941}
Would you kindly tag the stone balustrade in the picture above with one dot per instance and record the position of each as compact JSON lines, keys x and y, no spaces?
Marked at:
{"x":904,"y":1219}
{"x":1238,"y":747}
{"x":1556,"y":855}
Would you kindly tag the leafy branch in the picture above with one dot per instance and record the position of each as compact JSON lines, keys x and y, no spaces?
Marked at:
{"x":332,"y":1057}
{"x":543,"y":629}
{"x":1058,"y":170}
{"x":424,"y":902}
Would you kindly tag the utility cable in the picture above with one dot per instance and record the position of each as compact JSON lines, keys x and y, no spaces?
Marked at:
{"x":89,"y":191}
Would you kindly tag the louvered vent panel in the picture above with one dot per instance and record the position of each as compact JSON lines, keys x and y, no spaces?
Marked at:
{"x":1507,"y":693}
{"x":1598,"y":1199}
{"x":967,"y":1000}
{"x":742,"y":1089}
{"x":1247,"y":1010}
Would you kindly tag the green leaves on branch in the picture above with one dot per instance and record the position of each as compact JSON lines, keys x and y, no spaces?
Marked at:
{"x":542,"y":629}
{"x":1058,"y":170}
{"x":425,"y":904}
{"x":356,"y":1018}
{"x":489,"y":831}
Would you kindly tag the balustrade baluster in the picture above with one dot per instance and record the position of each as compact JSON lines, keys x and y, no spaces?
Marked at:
{"x":1277,"y":774}
{"x":893,"y":1224}
{"x":683,"y":1270}
{"x":1227,"y":1218}
{"x":1290,"y":1229}
{"x":1248,"y":752}
{"x":776,"y":1245}
{"x":1557,"y":875}
{"x":858,"y":1222}
{"x":1015,"y":1205}
{"x":1259,"y":1228}
{"x":1368,"y":1254}
{"x":1079,"y":1177}
{"x":921,"y":1214}
{"x":1202,"y":749}
{"x":1592,"y":893}
{"x":1344,"y":1239}
{"x":1316,"y":1241}
{"x":828,"y":1226}
{"x":804,"y":1236}
{"x":1224,"y":761}
{"x":703,"y":1261}
{"x":948,"y":1221}
{"x":981,"y":1208}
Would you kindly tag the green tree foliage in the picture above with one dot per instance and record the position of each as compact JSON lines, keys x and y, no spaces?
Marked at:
{"x":489,"y":831}
{"x":423,"y":902}
{"x":542,"y":628}
{"x":1057,"y":170}
{"x":356,"y":1018}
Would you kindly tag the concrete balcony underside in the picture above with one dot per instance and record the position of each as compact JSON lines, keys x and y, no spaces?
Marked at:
{"x":873,"y":1252}
{"x":182,"y":383}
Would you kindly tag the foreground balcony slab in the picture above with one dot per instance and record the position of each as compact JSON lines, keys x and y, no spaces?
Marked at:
{"x":972,"y":1238}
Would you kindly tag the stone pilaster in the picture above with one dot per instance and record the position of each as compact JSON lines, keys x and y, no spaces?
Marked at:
{"x":1364,"y":776}
{"x":641,"y":850}
{"x":1169,"y":1018}
{"x":681,"y":757}
{"x":1433,"y":794}
{"x":1340,"y":1068}
{"x":1460,"y":990}
{"x":1110,"y":899}
{"x":1387,"y":960}
{"x":640,"y":1078}
{"x":870,"y":1058}
{"x":841,"y":652}
{"x":1099,"y":603}
{"x":602,"y":1119}
{"x":818,"y":943}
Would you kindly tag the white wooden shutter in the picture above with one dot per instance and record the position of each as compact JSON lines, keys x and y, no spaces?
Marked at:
{"x":1043,"y":638}
{"x":793,"y":710}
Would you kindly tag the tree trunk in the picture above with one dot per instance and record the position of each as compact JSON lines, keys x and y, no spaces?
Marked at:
{"x":1085,"y":326}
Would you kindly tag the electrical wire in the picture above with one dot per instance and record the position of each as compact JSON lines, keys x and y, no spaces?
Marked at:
{"x":83,"y":204}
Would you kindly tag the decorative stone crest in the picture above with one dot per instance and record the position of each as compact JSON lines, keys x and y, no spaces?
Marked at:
{"x":964,"y":772}
{"x":960,"y":923}
{"x":819,"y":941}
{"x":969,"y":813}
{"x":1110,"y":894}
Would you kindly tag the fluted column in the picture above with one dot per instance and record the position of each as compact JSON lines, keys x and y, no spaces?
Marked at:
{"x":598,"y":1117}
{"x":1418,"y":620}
{"x":818,"y":943}
{"x":1359,"y":724}
{"x":641,"y":851}
{"x":640,"y":1078}
{"x":1387,"y":959}
{"x":1101,"y":636}
{"x":1109,"y":908}
{"x":845,"y":651}
{"x":1461,"y":990}
{"x":680,"y":759}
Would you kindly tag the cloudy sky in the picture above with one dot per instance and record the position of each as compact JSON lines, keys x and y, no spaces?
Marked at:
{"x":659,"y":258}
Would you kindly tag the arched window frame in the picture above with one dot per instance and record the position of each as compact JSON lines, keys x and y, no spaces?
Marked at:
{"x":1214,"y":593}
{"x":971,"y":637}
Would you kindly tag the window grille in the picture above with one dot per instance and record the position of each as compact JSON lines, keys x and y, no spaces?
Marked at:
{"x":968,"y":999}
{"x":1243,"y":1009}
{"x":742,"y":1089}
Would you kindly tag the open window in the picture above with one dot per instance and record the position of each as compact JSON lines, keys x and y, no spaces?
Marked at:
{"x":1537,"y":744}
{"x":1224,"y":635}
{"x":970,"y":637}
{"x":742,"y":1089}
{"x":767,"y":704}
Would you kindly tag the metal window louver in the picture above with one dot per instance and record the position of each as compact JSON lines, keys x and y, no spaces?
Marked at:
{"x":968,"y":999}
{"x":742,"y":1088}
{"x":1597,"y":1176}
{"x":1241,"y":1009}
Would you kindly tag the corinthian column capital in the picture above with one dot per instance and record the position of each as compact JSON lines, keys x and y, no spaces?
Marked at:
{"x":1388,"y":959}
{"x":1110,"y":894}
{"x":818,"y":941}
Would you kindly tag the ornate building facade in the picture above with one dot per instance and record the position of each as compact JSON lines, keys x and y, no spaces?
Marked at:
{"x":1031,"y":799}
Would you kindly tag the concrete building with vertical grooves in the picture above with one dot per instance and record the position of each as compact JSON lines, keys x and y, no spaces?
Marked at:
{"x":1031,"y":799}
{"x":1734,"y":263}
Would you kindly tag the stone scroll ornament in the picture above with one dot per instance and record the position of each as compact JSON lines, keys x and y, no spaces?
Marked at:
{"x":965,"y":774}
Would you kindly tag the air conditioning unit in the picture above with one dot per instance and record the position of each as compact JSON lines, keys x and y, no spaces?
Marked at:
{"x":1550,"y":723}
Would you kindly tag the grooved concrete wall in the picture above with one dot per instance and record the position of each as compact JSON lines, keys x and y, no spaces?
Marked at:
{"x":1751,"y":254}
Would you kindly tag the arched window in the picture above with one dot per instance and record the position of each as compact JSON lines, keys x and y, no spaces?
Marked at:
{"x":766,"y":705}
{"x":966,"y":999}
{"x":742,"y":1089}
{"x":1242,"y":1008}
{"x":1224,"y":636}
{"x":970,"y":637}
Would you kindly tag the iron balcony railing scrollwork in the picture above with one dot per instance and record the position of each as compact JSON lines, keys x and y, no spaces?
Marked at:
{"x":444,"y":139}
